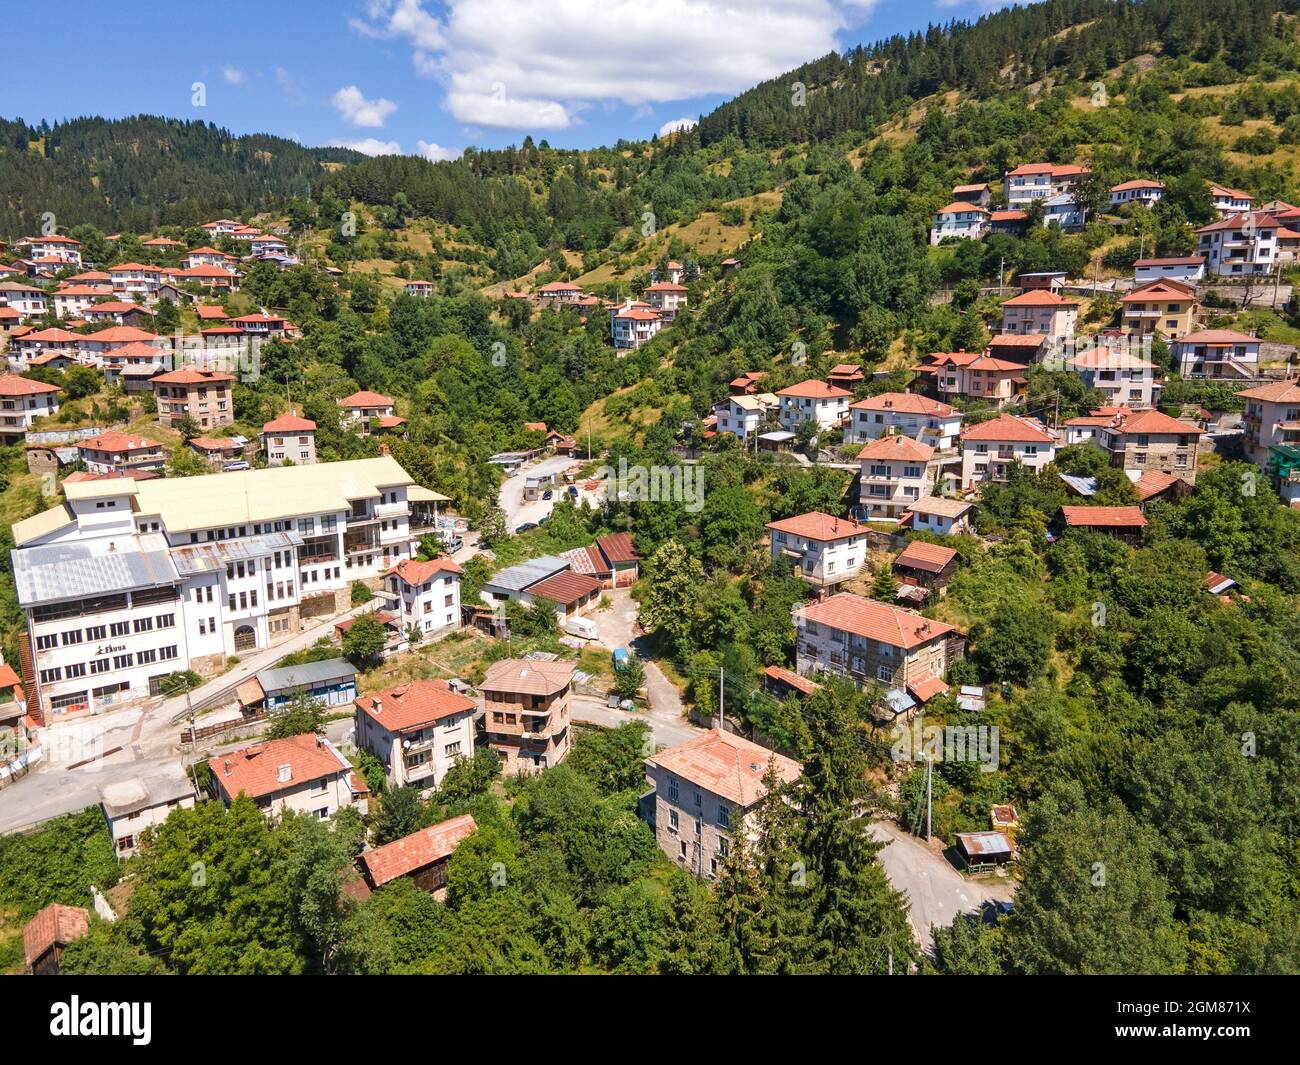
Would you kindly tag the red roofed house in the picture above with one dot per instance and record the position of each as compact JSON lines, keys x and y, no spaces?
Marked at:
{"x":825,"y":550}
{"x":526,"y":712}
{"x":422,"y":856}
{"x":1240,"y":245}
{"x":962,"y":375}
{"x":1229,"y":201}
{"x":1040,"y":312}
{"x":989,"y":449}
{"x":260,"y":324}
{"x":46,"y":934}
{"x":977,"y":194}
{"x":418,"y":730}
{"x":1039,"y":181}
{"x":1123,"y":523}
{"x":558,"y":292}
{"x":1271,"y":419}
{"x":210,"y":312}
{"x":360,"y":408}
{"x":64,"y":249}
{"x":667,"y":298}
{"x":305,"y":774}
{"x":203,"y":395}
{"x":1166,"y":307}
{"x":1143,"y":191}
{"x":217,"y":450}
{"x":1216,"y":353}
{"x":289,"y":438}
{"x":959,"y":220}
{"x":631,"y":327}
{"x":1145,"y":440}
{"x":427,"y":593}
{"x":573,"y":594}
{"x":22,"y":401}
{"x":873,"y":643}
{"x":704,"y":790}
{"x":1123,"y":377}
{"x":120,"y":453}
{"x":896,"y":471}
{"x":620,"y":556}
{"x":815,"y":401}
{"x":919,"y":417}
{"x":782,"y":682}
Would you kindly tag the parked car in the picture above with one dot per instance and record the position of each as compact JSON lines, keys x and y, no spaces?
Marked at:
{"x":573,"y":491}
{"x":548,"y":494}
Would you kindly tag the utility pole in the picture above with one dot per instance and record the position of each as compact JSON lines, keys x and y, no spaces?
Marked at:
{"x":1002,"y":266}
{"x":722,"y":713}
{"x":929,"y":784}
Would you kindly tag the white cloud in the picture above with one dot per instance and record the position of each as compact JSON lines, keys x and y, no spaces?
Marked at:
{"x":356,"y":110}
{"x":436,"y":153}
{"x":520,"y":66}
{"x":233,"y":75}
{"x":369,"y":146}
{"x":676,"y":126}
{"x":290,"y":86}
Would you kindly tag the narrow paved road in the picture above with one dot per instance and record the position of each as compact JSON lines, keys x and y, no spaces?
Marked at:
{"x":617,"y":627}
{"x":936,"y":891}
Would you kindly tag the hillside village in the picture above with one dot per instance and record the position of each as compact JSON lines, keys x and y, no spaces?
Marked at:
{"x":342,"y":561}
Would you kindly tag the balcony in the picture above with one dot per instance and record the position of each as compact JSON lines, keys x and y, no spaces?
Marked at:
{"x":359,"y":544}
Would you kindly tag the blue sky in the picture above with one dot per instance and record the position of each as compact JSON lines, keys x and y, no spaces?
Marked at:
{"x":433,"y":76}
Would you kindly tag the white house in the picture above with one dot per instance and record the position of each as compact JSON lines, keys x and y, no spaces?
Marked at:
{"x":959,"y":219}
{"x":1143,"y":191}
{"x":740,"y":416}
{"x":631,"y":327}
{"x":1064,"y":211}
{"x":1186,"y":268}
{"x":427,"y":594}
{"x":814,"y":401}
{"x":26,"y":300}
{"x":940,"y":515}
{"x":896,"y":471}
{"x":990,"y":448}
{"x":1216,"y":353}
{"x":1230,"y":201}
{"x":303,"y":774}
{"x":1040,"y":181}
{"x":63,"y":249}
{"x":1240,"y":245}
{"x":825,"y":550}
{"x":22,"y":401}
{"x":417,"y":730}
{"x":919,"y":417}
{"x":1124,"y":378}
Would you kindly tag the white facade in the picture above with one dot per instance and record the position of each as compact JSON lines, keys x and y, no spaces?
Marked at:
{"x":130,"y":581}
{"x":427,"y":594}
{"x":740,"y":416}
{"x":26,"y":300}
{"x":813,"y":401}
{"x":967,"y":221}
{"x":1188,"y":269}
{"x":927,"y":420}
{"x":1240,"y":246}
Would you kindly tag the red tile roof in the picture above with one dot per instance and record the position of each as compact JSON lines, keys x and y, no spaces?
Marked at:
{"x":1153,"y":482}
{"x":289,"y":423}
{"x":255,"y":771}
{"x":813,"y":389}
{"x":1216,"y":338}
{"x":366,"y":399}
{"x":902,"y":448}
{"x":210,"y":313}
{"x":412,"y":853}
{"x":120,"y":334}
{"x":1040,"y":297}
{"x":56,"y":925}
{"x":1151,"y":421}
{"x":414,"y":705}
{"x":960,"y":206}
{"x":905,"y":403}
{"x":1011,"y":428}
{"x":1161,"y":289}
{"x":416,"y":573}
{"x":1104,"y":517}
{"x":13,"y":385}
{"x":114,"y":441}
{"x":930,"y":558}
{"x":1173,"y":260}
{"x":1008,"y":216}
{"x":587,"y":560}
{"x":875,"y":620}
{"x":785,"y":676}
{"x":1139,"y":183}
{"x":926,"y":687}
{"x":191,"y":376}
{"x":1258,"y":219}
{"x":1276,"y":392}
{"x":819,"y":526}
{"x":726,"y":765}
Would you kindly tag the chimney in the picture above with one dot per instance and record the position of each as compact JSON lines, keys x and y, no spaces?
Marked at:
{"x":284,"y":774}
{"x":378,"y":705}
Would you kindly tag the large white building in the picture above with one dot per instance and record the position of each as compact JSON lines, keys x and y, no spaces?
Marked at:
{"x":919,"y":417}
{"x":129,"y":581}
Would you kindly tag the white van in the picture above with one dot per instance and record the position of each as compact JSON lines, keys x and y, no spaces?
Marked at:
{"x":583,"y":628}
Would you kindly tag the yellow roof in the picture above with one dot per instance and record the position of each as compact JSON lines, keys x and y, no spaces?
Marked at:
{"x":188,"y":504}
{"x":419,"y":494}
{"x":101,"y":489}
{"x":38,"y":525}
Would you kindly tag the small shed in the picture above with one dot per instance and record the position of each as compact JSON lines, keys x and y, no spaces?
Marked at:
{"x":927,"y":566}
{"x":983,"y":851}
{"x":47,"y":934}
